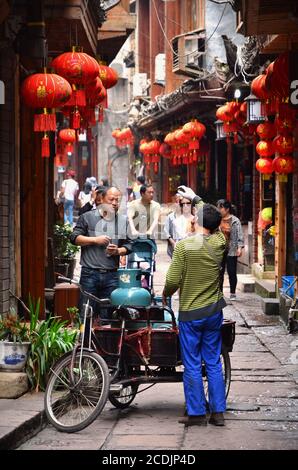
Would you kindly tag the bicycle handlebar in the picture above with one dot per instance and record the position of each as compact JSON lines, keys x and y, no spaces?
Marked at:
{"x":91,"y":296}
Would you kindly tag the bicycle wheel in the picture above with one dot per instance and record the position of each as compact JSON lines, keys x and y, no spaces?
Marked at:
{"x":69,"y":406}
{"x":125,"y":397}
{"x":226,"y":371}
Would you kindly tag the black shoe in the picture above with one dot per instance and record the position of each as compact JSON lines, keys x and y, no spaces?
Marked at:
{"x":217,"y":419}
{"x":199,"y":420}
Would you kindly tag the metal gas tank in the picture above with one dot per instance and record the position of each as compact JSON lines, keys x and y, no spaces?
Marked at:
{"x":130,"y":290}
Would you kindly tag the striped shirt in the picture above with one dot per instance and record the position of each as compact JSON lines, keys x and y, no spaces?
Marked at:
{"x":195,"y":272}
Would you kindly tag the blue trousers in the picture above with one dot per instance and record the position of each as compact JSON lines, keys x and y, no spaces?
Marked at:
{"x":99,"y":284}
{"x":200,"y":340}
{"x":68,"y":211}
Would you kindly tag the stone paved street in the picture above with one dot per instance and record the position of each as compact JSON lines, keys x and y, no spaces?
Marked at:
{"x":262,"y":404}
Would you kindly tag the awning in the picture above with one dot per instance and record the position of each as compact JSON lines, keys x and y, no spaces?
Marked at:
{"x":194,"y":98}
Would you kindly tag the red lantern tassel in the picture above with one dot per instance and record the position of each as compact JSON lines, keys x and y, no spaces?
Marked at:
{"x":155,"y":167}
{"x":45,"y":146}
{"x":80,"y":98}
{"x":76,"y":120}
{"x":69,"y":147}
{"x":44,"y":122}
{"x":236,"y":139}
{"x":194,"y":144}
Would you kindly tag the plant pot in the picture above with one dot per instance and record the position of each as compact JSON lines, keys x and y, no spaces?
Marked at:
{"x":65,"y":266}
{"x":13,"y":356}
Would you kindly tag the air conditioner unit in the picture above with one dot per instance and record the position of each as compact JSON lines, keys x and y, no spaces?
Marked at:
{"x":140,"y":85}
{"x":160,"y":69}
{"x":189,"y":53}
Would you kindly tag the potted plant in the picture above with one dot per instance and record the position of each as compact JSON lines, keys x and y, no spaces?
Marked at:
{"x":14,"y":342}
{"x":64,"y":251}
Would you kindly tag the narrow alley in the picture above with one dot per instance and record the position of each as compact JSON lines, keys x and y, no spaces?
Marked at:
{"x":262,"y":403}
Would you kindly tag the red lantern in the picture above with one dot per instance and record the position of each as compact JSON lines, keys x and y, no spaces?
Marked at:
{"x":266,"y":130}
{"x":265,"y":148}
{"x":108,"y":76}
{"x":224,"y":113}
{"x":258,"y":87}
{"x":277,"y":79}
{"x":194,"y":131}
{"x":165,"y":150}
{"x":79,"y":69}
{"x":264,"y":166}
{"x":285,"y":126}
{"x":44,"y":91}
{"x":283,"y":165}
{"x":283,"y":144}
{"x":68,"y":137}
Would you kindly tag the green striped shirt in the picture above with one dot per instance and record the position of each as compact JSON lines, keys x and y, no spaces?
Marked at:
{"x":195,"y":272}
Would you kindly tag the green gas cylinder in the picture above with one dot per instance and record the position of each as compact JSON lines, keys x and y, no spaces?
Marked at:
{"x":130,"y":290}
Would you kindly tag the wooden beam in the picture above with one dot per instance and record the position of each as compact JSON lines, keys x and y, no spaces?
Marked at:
{"x":33,"y":203}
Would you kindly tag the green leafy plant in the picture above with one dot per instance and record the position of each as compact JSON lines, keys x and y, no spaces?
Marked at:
{"x":49,"y":340}
{"x":12,"y":328}
{"x":63,"y":248}
{"x":74,"y":316}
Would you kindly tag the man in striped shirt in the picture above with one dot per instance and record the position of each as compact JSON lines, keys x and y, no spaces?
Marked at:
{"x":195,"y":271}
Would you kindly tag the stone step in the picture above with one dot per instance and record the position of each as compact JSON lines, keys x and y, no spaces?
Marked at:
{"x":246,"y":282}
{"x":265,"y":288}
{"x":270,"y":306}
{"x":13,"y":384}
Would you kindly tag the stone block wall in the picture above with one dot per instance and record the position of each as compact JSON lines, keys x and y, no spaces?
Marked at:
{"x":8,"y":189}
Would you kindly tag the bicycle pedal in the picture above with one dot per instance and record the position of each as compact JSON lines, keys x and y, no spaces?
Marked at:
{"x":115,"y":388}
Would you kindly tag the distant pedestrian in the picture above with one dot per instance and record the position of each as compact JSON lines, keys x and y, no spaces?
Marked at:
{"x":69,"y":189}
{"x":85,"y":194}
{"x":232,"y":230}
{"x":143,"y":214}
{"x":92,"y":180}
{"x":135,"y":194}
{"x":104,"y":181}
{"x":95,"y":199}
{"x":178,"y":224}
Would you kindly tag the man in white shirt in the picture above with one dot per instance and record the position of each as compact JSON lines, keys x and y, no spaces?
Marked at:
{"x":143,"y":214}
{"x":69,"y":189}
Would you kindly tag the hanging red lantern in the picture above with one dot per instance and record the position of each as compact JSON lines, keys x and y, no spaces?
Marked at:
{"x":45,"y":91}
{"x":283,"y":144}
{"x":283,"y":165}
{"x":265,"y":148}
{"x":285,"y":126}
{"x":277,"y":77}
{"x":258,"y":87}
{"x":68,"y":137}
{"x":240,"y":118}
{"x":266,"y":130}
{"x":224,"y":113}
{"x":108,"y":76}
{"x":165,"y":150}
{"x":264,"y":166}
{"x":79,"y":69}
{"x":233,"y":107}
{"x":194,"y":131}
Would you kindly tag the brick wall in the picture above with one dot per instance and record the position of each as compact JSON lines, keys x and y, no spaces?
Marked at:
{"x":7,"y":180}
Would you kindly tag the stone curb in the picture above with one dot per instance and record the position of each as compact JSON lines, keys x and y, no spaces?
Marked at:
{"x":24,"y":431}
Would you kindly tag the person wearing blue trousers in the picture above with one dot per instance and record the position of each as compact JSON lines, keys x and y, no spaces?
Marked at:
{"x":195,"y":270}
{"x":201,"y":340}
